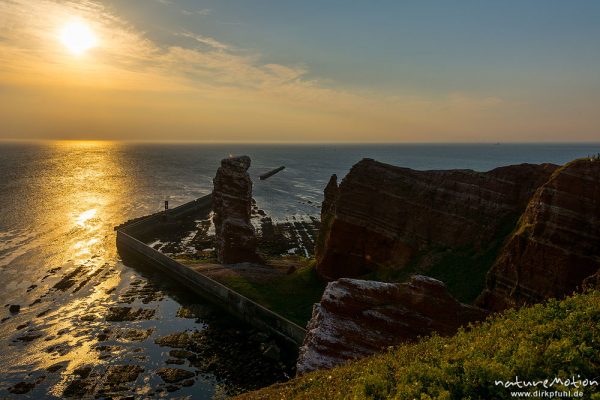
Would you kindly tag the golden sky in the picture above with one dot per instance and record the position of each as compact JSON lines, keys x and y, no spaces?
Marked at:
{"x":153,"y":81}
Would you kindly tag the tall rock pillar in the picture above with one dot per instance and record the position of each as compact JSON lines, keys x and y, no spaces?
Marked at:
{"x":232,"y":202}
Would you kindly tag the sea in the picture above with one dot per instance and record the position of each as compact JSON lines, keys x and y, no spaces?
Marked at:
{"x":59,"y":203}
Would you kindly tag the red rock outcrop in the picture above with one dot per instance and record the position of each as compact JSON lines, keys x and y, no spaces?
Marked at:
{"x":331,"y":194}
{"x":383,"y":216}
{"x":357,"y":318}
{"x":556,"y":245}
{"x":232,"y":201}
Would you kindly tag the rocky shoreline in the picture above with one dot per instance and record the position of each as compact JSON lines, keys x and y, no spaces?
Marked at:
{"x":143,"y":335}
{"x":384,"y":218}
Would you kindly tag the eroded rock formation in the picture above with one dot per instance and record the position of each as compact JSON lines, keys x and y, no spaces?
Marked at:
{"x":357,"y":318}
{"x":383,"y":216}
{"x":232,"y":201}
{"x":556,"y":245}
{"x":331,"y":193}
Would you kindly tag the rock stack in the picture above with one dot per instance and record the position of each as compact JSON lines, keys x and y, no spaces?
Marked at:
{"x":232,"y":199}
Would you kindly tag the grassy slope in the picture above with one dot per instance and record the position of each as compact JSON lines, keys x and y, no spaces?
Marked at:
{"x":538,"y":342}
{"x":291,"y":296}
{"x":463,"y":270}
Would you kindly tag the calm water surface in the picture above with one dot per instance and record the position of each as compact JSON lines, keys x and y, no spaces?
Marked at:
{"x":61,"y":200}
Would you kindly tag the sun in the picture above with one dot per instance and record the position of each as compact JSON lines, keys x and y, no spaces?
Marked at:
{"x":78,"y":38}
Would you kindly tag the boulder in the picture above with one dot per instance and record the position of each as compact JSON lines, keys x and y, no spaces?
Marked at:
{"x":232,"y":201}
{"x":357,"y":318}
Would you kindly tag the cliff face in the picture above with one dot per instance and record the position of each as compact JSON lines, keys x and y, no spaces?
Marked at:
{"x":356,"y":318}
{"x":232,"y":202}
{"x":556,"y":245}
{"x":383,"y":216}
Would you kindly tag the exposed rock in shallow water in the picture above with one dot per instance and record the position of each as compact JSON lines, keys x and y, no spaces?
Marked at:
{"x":175,"y":340}
{"x":30,"y":336}
{"x":111,"y":383}
{"x":172,"y":375}
{"x":557,"y":243}
{"x":25,"y":387}
{"x":116,"y":374}
{"x":129,"y":314}
{"x":83,"y":372}
{"x":383,"y":216}
{"x":234,"y":356}
{"x":232,"y":204}
{"x":357,"y":318}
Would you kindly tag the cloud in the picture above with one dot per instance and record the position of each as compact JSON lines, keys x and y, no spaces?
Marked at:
{"x":205,"y":83}
{"x":206,"y":40}
{"x":203,"y":12}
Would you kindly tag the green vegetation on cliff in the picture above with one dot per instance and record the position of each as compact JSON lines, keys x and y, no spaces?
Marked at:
{"x":558,"y":339}
{"x":291,"y":296}
{"x":463,"y":270}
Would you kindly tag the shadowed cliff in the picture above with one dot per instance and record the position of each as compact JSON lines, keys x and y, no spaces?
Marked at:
{"x":556,"y":245}
{"x":389,"y":220}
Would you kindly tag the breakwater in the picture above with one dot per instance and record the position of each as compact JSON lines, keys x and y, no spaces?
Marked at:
{"x":219,"y":294}
{"x":271,"y":173}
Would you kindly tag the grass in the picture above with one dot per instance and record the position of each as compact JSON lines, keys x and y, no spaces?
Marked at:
{"x":291,"y":296}
{"x":463,"y":270}
{"x":326,"y":222}
{"x":555,"y":339}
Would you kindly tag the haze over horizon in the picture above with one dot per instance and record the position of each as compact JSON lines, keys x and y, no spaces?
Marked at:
{"x":207,"y":70}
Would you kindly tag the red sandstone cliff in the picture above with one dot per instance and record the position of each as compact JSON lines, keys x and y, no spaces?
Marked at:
{"x":383,"y":216}
{"x":357,"y":318}
{"x":232,"y":201}
{"x":556,"y":245}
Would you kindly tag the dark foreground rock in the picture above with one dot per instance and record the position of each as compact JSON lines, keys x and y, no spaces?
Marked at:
{"x":385,"y":217}
{"x":235,"y":237}
{"x":357,"y":318}
{"x":556,"y":245}
{"x":246,"y":360}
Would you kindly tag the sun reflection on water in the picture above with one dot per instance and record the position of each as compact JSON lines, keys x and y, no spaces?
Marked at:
{"x":73,"y":201}
{"x":86,"y":216}
{"x":90,"y":183}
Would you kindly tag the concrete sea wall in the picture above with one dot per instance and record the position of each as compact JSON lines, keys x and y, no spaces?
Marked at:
{"x":219,"y":294}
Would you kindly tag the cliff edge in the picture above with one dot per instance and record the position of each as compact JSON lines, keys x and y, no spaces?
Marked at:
{"x":357,"y":318}
{"x":386,"y":217}
{"x":556,"y":245}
